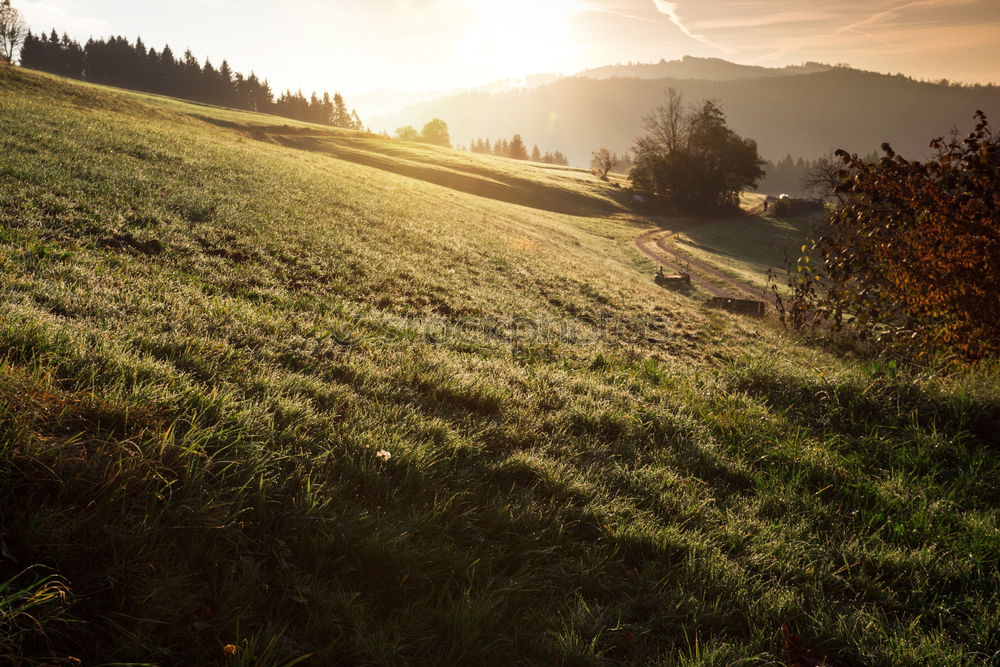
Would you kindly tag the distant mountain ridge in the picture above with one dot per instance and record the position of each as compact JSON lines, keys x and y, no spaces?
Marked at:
{"x":385,"y":100}
{"x":806,"y":111}
{"x":690,"y":67}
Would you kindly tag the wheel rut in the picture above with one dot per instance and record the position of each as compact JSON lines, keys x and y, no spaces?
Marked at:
{"x":657,"y":246}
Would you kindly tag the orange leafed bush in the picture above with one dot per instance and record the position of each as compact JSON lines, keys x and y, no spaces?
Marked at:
{"x":912,"y":256}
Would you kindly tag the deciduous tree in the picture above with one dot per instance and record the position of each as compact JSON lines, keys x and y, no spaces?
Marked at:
{"x":602,"y":162}
{"x":911,"y":257}
{"x":12,"y":31}
{"x":822,"y":178}
{"x":408,"y":133}
{"x":436,"y":132}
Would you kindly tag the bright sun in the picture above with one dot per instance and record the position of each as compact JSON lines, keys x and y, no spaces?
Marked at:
{"x":526,"y":35}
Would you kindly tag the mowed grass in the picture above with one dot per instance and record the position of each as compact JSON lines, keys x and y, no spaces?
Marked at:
{"x":338,"y":401}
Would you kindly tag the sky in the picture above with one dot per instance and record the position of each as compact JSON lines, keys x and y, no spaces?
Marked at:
{"x":355,"y":46}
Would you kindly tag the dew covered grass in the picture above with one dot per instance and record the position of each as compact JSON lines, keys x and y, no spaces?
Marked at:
{"x":355,"y":401}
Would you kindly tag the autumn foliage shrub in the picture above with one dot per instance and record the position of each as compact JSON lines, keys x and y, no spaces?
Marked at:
{"x":911,"y":257}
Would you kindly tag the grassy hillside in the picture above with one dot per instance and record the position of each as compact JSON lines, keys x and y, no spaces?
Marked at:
{"x":275,"y":392}
{"x":747,"y":247}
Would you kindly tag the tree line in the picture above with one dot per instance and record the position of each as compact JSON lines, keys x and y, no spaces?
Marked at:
{"x":801,"y":177}
{"x":516,"y":149}
{"x":436,"y":132}
{"x":117,"y":62}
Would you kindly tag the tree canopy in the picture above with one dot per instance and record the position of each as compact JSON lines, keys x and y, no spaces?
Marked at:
{"x":517,"y":149}
{"x":408,"y":133}
{"x":436,"y":132}
{"x":691,"y":159}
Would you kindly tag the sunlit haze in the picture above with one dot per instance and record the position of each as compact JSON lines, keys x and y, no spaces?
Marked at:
{"x":443,"y":44}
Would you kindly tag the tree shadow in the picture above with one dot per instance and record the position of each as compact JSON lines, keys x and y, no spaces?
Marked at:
{"x":379,"y":153}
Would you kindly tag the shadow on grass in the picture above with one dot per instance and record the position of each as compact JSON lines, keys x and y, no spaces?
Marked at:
{"x":472,"y":549}
{"x":753,"y":239}
{"x":464,"y":177}
{"x":185,"y":544}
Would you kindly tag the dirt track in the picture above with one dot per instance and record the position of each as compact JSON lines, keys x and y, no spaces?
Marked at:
{"x":656,"y":245}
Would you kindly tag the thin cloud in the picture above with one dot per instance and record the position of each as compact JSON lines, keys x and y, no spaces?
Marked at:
{"x":669,"y":9}
{"x":765,"y":20}
{"x":846,"y":30}
{"x":901,"y":7}
{"x":612,"y":12}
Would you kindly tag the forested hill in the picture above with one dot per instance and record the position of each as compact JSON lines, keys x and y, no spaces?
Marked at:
{"x":803,"y":115}
{"x":115,"y":61}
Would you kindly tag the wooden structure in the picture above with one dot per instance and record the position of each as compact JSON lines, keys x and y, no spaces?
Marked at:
{"x":738,"y":306}
{"x":676,"y":280}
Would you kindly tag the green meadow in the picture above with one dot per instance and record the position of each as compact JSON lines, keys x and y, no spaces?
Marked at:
{"x":747,"y":247}
{"x":277,"y":394}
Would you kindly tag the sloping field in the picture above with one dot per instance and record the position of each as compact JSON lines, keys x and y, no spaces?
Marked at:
{"x":745,"y":248}
{"x":272,"y":392}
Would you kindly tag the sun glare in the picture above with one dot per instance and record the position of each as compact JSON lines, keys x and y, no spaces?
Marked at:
{"x":522,"y":34}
